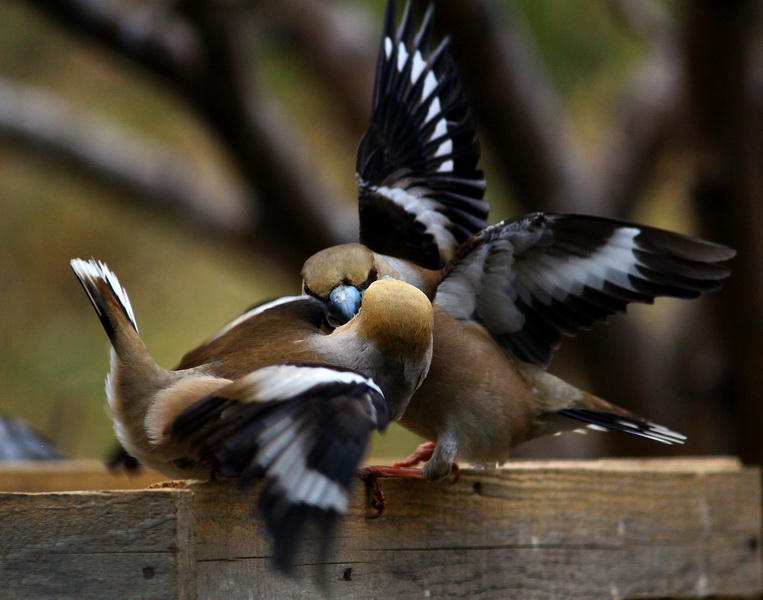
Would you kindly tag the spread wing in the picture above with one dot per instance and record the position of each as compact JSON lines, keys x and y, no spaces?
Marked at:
{"x":302,"y":427}
{"x":530,"y":279}
{"x":420,"y":189}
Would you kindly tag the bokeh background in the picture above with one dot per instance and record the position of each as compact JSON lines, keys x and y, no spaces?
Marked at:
{"x":205,"y":149}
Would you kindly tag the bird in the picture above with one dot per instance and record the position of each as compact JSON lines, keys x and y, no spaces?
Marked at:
{"x":503,"y":294}
{"x":18,"y":441}
{"x":272,"y":395}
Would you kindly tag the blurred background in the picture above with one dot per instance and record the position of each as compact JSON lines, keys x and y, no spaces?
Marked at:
{"x":204,"y":149}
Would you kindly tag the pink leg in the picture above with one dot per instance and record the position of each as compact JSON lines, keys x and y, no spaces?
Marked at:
{"x":422,"y":454}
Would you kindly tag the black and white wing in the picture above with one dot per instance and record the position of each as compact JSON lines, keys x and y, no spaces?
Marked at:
{"x":530,"y":279}
{"x":303,"y":428}
{"x":421,"y":194}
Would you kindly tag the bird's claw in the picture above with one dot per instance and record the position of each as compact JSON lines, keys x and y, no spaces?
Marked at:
{"x":372,"y":474}
{"x":423,"y":454}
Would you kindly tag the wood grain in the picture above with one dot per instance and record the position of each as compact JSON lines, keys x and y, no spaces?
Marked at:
{"x":685,"y":528}
{"x":69,"y":475}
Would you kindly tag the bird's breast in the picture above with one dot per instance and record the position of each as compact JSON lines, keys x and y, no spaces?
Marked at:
{"x":474,"y":391}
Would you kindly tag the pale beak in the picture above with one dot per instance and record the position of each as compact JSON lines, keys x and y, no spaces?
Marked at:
{"x":344,"y":302}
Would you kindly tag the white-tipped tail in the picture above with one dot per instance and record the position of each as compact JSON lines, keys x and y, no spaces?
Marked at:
{"x":91,"y":271}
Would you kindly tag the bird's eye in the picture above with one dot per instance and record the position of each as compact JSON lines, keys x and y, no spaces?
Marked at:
{"x":308,"y":292}
{"x":373,"y":275}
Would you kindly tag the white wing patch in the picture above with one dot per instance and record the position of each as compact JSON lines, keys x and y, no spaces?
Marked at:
{"x":426,"y":210}
{"x":457,"y":294}
{"x":488,"y":280}
{"x":281,"y":382}
{"x":613,"y":262}
{"x":287,"y":443}
{"x":298,"y":482}
{"x":430,"y":83}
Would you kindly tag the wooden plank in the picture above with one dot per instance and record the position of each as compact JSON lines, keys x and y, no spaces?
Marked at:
{"x":90,"y":545}
{"x":533,"y":530}
{"x":92,"y":475}
{"x":69,"y":475}
{"x":685,"y":528}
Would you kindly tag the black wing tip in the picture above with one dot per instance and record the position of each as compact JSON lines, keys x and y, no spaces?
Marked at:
{"x":649,"y":237}
{"x":305,"y":447}
{"x":288,"y":528}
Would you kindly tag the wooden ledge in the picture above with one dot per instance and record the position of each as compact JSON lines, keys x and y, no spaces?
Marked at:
{"x":675,"y":528}
{"x":69,"y":475}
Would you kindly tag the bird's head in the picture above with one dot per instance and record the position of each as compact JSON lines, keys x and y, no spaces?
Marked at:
{"x":398,"y":317}
{"x":339,"y":277}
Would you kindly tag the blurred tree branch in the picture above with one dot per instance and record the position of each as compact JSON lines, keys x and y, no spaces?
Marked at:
{"x":206,"y":59}
{"x":650,"y":113}
{"x":516,"y":104}
{"x":154,"y":174}
{"x":153,"y":37}
{"x":333,"y":41}
{"x":719,"y":41}
{"x":647,"y":19}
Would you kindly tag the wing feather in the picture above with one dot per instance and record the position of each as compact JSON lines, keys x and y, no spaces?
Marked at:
{"x":303,"y":427}
{"x":529,"y":280}
{"x":420,"y":191}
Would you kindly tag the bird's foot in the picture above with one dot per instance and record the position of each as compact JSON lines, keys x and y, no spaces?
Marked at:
{"x":372,"y":474}
{"x":455,"y":473}
{"x":423,"y":454}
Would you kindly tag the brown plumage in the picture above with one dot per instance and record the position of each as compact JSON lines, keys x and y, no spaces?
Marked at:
{"x":504,"y":295}
{"x":271,"y":394}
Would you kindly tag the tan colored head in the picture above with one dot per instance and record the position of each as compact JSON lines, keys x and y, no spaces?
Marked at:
{"x":348,"y":264}
{"x":398,"y":317}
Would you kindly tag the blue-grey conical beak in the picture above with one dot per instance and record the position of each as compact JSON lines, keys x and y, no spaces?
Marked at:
{"x":344,"y":302}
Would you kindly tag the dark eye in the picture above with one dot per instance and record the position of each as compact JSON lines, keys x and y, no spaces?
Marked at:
{"x":373,"y":275}
{"x":309,"y":292}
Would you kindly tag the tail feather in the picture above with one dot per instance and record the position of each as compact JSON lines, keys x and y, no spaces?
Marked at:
{"x":105,"y":292}
{"x":626,"y":424}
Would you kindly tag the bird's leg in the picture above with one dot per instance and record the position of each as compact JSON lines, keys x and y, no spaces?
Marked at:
{"x":371,"y":476}
{"x":423,"y":454}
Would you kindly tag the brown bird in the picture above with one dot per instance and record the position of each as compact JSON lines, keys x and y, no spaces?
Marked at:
{"x":269,"y":394}
{"x":503,"y":295}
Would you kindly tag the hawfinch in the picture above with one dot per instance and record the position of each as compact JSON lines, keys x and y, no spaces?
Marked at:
{"x":271,"y":394}
{"x":503,"y":295}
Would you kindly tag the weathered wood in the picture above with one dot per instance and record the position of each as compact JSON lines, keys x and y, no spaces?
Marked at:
{"x":684,"y":528}
{"x":69,"y":475}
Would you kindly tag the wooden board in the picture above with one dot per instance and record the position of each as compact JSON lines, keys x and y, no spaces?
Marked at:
{"x":69,"y":475}
{"x":687,"y":528}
